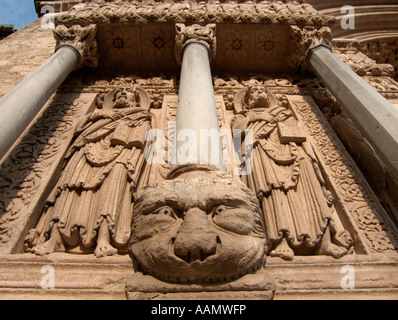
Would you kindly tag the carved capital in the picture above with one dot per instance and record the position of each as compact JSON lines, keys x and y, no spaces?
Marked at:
{"x":185,"y":35}
{"x":303,"y":39}
{"x":82,"y":39}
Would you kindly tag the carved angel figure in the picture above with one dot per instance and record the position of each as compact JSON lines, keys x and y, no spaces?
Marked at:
{"x":298,"y":209}
{"x":90,"y":207}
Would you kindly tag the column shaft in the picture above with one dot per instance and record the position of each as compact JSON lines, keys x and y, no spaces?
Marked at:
{"x":21,"y":104}
{"x":376,"y":118}
{"x":197,"y":109}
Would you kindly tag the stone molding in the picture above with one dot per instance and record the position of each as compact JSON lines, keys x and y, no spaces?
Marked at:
{"x":264,"y":12}
{"x":88,"y":278}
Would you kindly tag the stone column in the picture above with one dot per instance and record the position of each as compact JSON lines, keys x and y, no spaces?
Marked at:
{"x":22,"y":103}
{"x":376,"y":118}
{"x":197,"y":126}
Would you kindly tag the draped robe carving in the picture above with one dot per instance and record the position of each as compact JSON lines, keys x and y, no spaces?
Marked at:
{"x":299,"y":212}
{"x":91,"y":206}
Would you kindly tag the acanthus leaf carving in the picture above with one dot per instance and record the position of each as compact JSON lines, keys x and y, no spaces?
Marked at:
{"x":275,"y":12}
{"x":302,"y":39}
{"x":81,"y":38}
{"x":205,"y":35}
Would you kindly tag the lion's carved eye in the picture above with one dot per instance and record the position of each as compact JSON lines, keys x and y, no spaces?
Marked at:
{"x":233,"y":218}
{"x":219,"y":209}
{"x":166,"y":211}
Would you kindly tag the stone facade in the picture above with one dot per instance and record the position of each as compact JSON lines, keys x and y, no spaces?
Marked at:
{"x":108,"y":184}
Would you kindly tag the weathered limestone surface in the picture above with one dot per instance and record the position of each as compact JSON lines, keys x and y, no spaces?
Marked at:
{"x":22,"y":52}
{"x":76,"y":277}
{"x":88,"y":278}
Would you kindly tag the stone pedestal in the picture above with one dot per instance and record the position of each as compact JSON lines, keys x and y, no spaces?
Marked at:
{"x":258,"y":286}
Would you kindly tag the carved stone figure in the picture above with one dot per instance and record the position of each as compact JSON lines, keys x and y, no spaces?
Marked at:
{"x":90,"y":207}
{"x":202,"y":225}
{"x":298,"y":209}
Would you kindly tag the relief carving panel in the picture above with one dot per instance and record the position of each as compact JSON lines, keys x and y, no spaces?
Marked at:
{"x":298,"y":209}
{"x":90,"y":207}
{"x":29,"y":171}
{"x":249,"y":47}
{"x":375,"y":232}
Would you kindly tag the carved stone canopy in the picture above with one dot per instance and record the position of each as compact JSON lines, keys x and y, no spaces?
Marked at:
{"x":250,"y":36}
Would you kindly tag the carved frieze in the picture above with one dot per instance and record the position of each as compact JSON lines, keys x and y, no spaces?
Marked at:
{"x":360,"y":63}
{"x":382,"y":51}
{"x":251,"y":36}
{"x":263,"y":12}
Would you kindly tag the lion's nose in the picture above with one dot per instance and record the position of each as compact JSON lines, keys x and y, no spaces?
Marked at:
{"x":195,"y":240}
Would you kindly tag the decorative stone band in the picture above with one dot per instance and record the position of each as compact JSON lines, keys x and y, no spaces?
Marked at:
{"x":265,"y":12}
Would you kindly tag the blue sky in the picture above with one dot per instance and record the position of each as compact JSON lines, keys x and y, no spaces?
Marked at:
{"x":17,"y":12}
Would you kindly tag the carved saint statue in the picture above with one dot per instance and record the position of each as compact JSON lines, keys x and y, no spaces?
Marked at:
{"x":299,"y":213}
{"x":90,"y":208}
{"x":201,"y":225}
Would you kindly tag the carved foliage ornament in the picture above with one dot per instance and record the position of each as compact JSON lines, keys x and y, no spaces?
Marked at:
{"x":264,"y":12}
{"x":81,"y":38}
{"x":185,"y":35}
{"x":302,"y":39}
